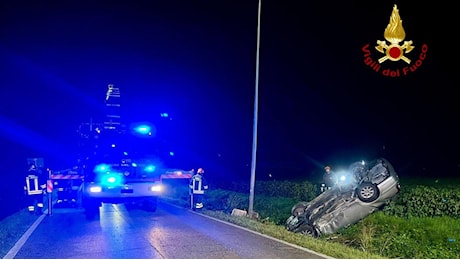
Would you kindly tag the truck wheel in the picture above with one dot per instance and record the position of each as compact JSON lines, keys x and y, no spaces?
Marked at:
{"x":150,"y":204}
{"x":91,"y":209}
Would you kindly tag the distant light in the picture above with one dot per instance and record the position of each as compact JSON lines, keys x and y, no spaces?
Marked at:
{"x":125,"y":153}
{"x":164,"y":115}
{"x":113,"y":145}
{"x":171,"y":153}
{"x":134,"y":164}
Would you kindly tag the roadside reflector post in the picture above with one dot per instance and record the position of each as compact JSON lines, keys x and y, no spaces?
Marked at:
{"x":49,"y":190}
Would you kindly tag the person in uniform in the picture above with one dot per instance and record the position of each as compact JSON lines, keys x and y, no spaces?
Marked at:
{"x":35,"y":188}
{"x":198,"y":185}
{"x":329,"y":178}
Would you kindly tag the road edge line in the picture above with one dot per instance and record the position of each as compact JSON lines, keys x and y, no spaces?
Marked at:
{"x":252,"y":231}
{"x":15,"y":249}
{"x":264,"y":235}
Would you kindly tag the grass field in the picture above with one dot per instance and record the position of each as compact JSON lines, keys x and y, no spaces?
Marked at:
{"x":377,"y":236}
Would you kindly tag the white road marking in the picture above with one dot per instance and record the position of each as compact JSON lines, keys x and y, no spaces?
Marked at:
{"x":15,"y":249}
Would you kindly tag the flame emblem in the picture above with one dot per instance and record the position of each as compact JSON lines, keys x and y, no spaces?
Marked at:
{"x":394,"y":33}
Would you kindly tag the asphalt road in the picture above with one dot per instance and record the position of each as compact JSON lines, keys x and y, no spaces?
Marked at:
{"x":171,"y":233}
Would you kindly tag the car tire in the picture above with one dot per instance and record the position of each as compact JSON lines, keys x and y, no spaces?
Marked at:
{"x":291,"y":223}
{"x":367,"y":192}
{"x":299,"y":208}
{"x":307,"y":230}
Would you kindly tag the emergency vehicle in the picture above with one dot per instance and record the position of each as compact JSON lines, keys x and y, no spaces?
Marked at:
{"x":121,"y":163}
{"x":66,"y":184}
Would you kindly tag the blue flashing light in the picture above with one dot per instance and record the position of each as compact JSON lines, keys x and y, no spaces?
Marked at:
{"x":111,"y":179}
{"x":150,"y":168}
{"x":102,"y":168}
{"x":125,"y":153}
{"x":134,"y":164}
{"x":171,"y":153}
{"x":143,"y":129}
{"x":164,"y":115}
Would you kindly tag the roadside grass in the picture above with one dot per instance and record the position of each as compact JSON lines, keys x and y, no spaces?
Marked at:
{"x":332,"y":249}
{"x":379,"y":235}
{"x":415,"y":237}
{"x":12,"y":228}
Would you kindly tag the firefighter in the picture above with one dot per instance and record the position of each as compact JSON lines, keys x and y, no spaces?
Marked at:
{"x":35,"y":189}
{"x":197,"y":185}
{"x":329,"y":179}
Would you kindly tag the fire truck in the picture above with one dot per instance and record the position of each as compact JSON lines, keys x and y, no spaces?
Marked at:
{"x":121,"y":162}
{"x":66,"y":184}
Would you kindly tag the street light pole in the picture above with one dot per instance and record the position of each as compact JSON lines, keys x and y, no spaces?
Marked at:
{"x":254,"y":134}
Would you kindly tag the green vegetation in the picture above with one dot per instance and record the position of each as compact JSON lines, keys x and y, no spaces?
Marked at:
{"x":423,"y":221}
{"x":329,"y":248}
{"x":397,"y":237}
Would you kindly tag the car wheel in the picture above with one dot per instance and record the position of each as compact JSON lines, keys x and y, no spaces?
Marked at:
{"x":307,"y":230}
{"x":291,"y":223}
{"x":299,"y":208}
{"x":367,"y":192}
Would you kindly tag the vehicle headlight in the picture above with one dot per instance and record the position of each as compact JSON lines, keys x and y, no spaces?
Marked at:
{"x":156,"y":188}
{"x":345,"y":178}
{"x":95,"y":189}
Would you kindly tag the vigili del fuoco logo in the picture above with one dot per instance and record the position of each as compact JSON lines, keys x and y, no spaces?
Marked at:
{"x":393,"y":58}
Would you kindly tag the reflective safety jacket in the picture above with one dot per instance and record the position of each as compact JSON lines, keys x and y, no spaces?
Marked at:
{"x":198,"y":184}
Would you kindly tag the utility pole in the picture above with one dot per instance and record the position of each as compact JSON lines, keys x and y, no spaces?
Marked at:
{"x":254,"y":135}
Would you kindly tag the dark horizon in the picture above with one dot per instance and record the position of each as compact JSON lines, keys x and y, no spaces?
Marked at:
{"x":319,"y":103}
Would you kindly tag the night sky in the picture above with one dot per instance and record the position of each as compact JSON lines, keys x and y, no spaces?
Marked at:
{"x":319,"y":103}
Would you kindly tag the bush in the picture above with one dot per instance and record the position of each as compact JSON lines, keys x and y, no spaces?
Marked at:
{"x":425,"y":201}
{"x":299,"y":191}
{"x":422,"y":221}
{"x":226,"y":201}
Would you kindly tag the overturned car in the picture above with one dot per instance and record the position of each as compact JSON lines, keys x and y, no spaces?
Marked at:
{"x":359,"y":191}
